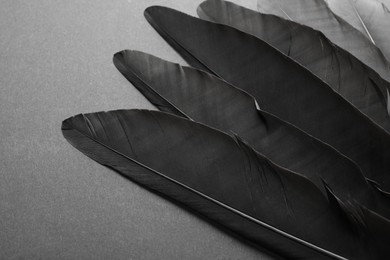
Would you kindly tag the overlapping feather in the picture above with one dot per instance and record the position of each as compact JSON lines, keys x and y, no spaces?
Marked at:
{"x":199,"y":96}
{"x":318,"y":172}
{"x":346,"y":75}
{"x":317,"y":15}
{"x":297,"y":96}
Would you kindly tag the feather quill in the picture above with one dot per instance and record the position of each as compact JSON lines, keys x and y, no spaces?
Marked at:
{"x":368,"y":16}
{"x":280,"y":85}
{"x":356,"y":82}
{"x":199,"y":96}
{"x":222,"y":178}
{"x":317,"y":14}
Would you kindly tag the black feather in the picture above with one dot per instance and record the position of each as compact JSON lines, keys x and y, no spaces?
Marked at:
{"x":226,"y":181}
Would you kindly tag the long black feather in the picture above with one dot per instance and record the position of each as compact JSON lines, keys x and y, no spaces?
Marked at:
{"x":280,"y":85}
{"x":222,"y":178}
{"x":356,"y":82}
{"x":199,"y":96}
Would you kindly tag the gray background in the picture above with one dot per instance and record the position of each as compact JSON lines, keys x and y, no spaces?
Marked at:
{"x":55,"y":62}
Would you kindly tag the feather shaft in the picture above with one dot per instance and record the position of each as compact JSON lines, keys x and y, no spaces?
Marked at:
{"x":158,"y":141}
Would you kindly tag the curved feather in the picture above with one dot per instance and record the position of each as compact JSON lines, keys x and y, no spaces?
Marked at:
{"x":316,"y":14}
{"x":220,"y":177}
{"x":199,"y":96}
{"x":356,"y":82}
{"x":280,"y":85}
{"x":368,"y":16}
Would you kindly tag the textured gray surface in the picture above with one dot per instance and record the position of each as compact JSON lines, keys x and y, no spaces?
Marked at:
{"x":56,"y":61}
